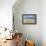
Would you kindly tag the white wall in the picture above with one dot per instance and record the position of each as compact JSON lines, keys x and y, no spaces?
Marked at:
{"x":43,"y":22}
{"x":6,"y":13}
{"x":30,"y":31}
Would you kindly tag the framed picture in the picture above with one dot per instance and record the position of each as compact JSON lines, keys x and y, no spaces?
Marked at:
{"x":29,"y":19}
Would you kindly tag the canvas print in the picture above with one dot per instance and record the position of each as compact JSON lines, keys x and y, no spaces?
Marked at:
{"x":29,"y":19}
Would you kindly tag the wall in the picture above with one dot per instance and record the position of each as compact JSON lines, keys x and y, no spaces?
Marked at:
{"x":29,"y":31}
{"x":43,"y":22}
{"x":6,"y":13}
{"x":6,"y":16}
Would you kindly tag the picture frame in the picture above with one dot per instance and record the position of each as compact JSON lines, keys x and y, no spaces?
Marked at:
{"x":29,"y":19}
